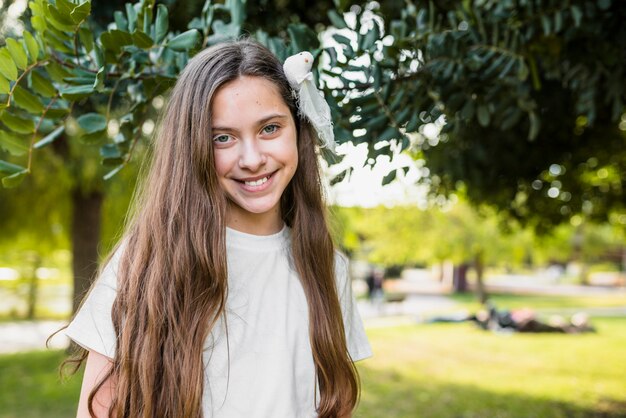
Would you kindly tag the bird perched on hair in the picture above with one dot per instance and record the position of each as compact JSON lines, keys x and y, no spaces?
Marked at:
{"x":311,"y":102}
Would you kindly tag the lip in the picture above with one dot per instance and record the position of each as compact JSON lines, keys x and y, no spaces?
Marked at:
{"x":257,"y":177}
{"x":260,"y":187}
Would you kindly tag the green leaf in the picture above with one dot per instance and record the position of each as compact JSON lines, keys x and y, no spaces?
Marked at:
{"x":58,"y":20}
{"x":302,"y":38}
{"x":27,"y":100}
{"x":342,"y":39}
{"x":41,"y":85}
{"x":115,"y":39}
{"x":120,"y":21}
{"x":558,"y":21}
{"x":17,"y":124}
{"x":185,"y":41}
{"x":482,"y":113}
{"x":131,"y":13}
{"x":546,"y":24}
{"x":110,"y":151}
{"x":161,"y":23}
{"x":13,"y":144}
{"x":18,"y":53}
{"x":98,"y":55}
{"x":98,"y":84}
{"x":65,"y":7}
{"x":147,"y":19}
{"x":39,"y":23}
{"x":398,"y":29}
{"x":57,"y":113}
{"x":390,"y":177}
{"x":57,"y":72}
{"x":337,"y":20}
{"x":577,"y":14}
{"x":93,"y":138}
{"x":414,"y":123}
{"x":7,"y":66}
{"x":14,"y":179}
{"x":141,"y":39}
{"x":389,"y":133}
{"x":50,"y":137}
{"x":77,"y":92}
{"x":86,"y":38}
{"x":522,"y":71}
{"x":5,"y":87}
{"x":31,"y":45}
{"x":8,"y":168}
{"x":376,"y":123}
{"x":534,"y":126}
{"x":370,"y":38}
{"x":81,"y":12}
{"x":92,"y":123}
{"x":404,"y":115}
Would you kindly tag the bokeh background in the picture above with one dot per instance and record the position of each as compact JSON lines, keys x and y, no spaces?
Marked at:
{"x":478,"y":187}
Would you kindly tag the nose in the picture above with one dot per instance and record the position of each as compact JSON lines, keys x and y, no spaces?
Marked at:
{"x":252,"y":155}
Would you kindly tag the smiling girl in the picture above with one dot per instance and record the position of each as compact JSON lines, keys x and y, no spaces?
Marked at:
{"x":226,"y":296}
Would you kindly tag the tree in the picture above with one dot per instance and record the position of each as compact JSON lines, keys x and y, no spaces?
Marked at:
{"x":89,"y":94}
{"x":502,"y":79}
{"x":529,"y":97}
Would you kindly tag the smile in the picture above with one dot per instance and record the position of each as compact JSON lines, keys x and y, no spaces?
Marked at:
{"x":258,"y":184}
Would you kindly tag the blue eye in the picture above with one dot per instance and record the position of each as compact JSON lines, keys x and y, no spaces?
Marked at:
{"x":272,"y":129}
{"x":221,"y":139}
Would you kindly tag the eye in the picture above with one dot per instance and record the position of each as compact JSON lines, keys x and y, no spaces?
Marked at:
{"x":221,"y":139}
{"x":270,"y":129}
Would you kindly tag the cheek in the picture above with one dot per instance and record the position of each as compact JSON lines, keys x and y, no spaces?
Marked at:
{"x":222,"y":163}
{"x":291,"y":158}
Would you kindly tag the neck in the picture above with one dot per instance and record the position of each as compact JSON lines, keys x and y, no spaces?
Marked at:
{"x":255,"y":224}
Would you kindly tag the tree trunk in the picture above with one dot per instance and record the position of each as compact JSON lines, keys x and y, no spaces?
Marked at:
{"x":33,"y":284}
{"x":459,"y":278}
{"x":85,"y":239}
{"x":481,"y":293}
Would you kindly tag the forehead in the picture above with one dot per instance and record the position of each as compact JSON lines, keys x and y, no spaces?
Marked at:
{"x":246,"y":100}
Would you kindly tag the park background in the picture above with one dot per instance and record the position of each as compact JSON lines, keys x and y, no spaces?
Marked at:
{"x":481,"y":158}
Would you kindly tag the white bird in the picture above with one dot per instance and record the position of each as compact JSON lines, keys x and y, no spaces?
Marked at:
{"x":311,"y":102}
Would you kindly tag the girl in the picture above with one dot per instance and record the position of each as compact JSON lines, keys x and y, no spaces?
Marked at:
{"x":225,"y":297}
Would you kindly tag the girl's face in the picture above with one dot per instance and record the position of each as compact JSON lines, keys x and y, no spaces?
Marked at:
{"x":255,"y":148}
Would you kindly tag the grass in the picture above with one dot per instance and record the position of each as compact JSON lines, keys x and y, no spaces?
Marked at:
{"x":437,"y":370}
{"x":514,"y":301}
{"x":30,"y":386}
{"x":456,"y":370}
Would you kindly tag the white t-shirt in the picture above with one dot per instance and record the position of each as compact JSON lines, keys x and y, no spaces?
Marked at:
{"x":272,"y":373}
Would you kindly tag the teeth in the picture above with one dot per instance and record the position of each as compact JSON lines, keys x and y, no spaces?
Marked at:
{"x":256,"y":183}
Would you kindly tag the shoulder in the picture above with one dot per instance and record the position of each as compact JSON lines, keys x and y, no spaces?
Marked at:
{"x":109,"y":270}
{"x":342,"y":262}
{"x":342,"y":272}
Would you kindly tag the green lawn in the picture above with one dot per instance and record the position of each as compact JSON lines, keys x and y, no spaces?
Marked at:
{"x":436,"y":370}
{"x":513,"y":301}
{"x":456,"y":370}
{"x":30,"y":386}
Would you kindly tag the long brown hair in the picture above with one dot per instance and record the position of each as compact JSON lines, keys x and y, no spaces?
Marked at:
{"x":172,"y":276}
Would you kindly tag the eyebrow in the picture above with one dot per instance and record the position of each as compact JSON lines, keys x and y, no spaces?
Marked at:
{"x":259,"y":122}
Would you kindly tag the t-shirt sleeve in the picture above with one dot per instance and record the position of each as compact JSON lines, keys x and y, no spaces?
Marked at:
{"x":92,"y":326}
{"x":358,"y":344}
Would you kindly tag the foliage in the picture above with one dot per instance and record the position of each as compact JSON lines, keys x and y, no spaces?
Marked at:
{"x":529,"y":97}
{"x":404,"y":235}
{"x":64,"y":78}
